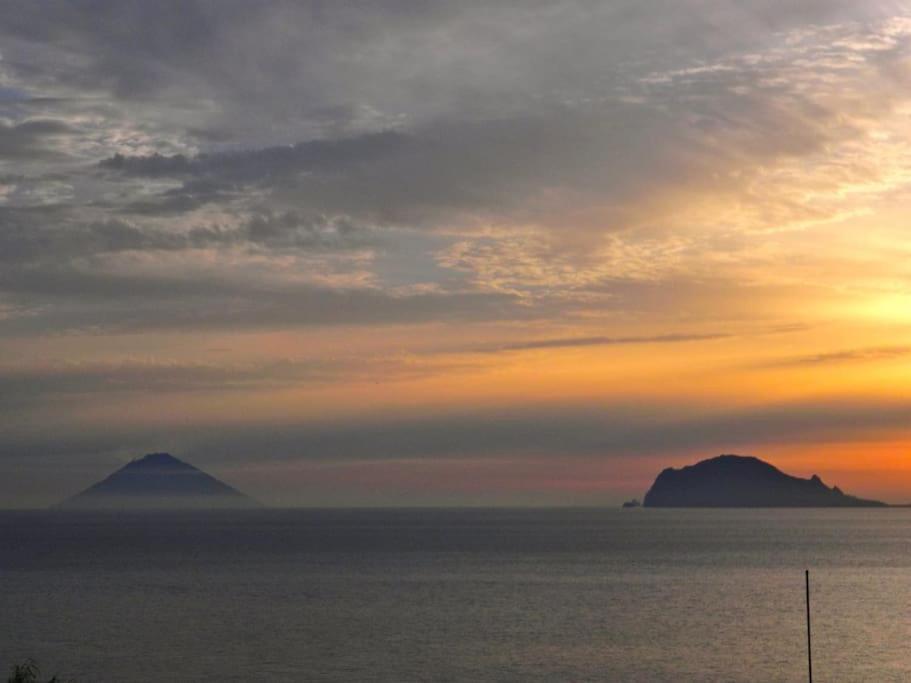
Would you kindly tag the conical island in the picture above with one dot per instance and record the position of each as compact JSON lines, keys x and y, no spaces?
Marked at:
{"x":159,"y":481}
{"x":739,"y":481}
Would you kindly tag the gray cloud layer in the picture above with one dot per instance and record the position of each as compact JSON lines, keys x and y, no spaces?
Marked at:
{"x":159,"y":128}
{"x":567,"y":432}
{"x":236,"y":166}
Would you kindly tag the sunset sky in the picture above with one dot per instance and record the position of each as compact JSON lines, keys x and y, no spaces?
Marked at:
{"x":419,"y":253}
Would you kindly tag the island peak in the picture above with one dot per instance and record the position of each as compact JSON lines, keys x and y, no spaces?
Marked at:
{"x":158,"y":459}
{"x":159,"y":481}
{"x":743,"y":481}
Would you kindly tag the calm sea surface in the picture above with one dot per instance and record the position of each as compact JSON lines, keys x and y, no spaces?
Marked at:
{"x":457,"y":595}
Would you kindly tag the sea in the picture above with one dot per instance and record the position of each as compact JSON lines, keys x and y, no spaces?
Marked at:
{"x":457,"y":595}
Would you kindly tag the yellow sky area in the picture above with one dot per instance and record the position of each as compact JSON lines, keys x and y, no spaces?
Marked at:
{"x":709,"y":244}
{"x":751,"y":371}
{"x":747,"y":369}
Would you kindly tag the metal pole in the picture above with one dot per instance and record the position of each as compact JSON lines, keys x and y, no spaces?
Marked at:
{"x":809,"y":647}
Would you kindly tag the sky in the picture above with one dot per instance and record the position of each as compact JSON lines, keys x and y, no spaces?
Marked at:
{"x":454,"y":253}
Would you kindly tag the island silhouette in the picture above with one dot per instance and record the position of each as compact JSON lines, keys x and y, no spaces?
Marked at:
{"x":159,"y":481}
{"x":730,"y":481}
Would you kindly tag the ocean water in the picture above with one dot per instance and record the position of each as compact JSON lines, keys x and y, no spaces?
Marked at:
{"x":457,"y":595}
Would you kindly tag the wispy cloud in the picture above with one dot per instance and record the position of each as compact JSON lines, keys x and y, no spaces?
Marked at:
{"x":430,"y":179}
{"x":24,"y":387}
{"x":572,"y":342}
{"x":881,"y":353}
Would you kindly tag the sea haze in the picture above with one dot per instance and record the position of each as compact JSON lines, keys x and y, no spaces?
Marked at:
{"x":456,"y":595}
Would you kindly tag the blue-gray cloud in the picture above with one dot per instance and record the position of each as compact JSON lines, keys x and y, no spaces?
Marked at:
{"x":225,"y":165}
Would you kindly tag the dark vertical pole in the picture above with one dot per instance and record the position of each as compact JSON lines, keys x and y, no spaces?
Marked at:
{"x":809,"y":648}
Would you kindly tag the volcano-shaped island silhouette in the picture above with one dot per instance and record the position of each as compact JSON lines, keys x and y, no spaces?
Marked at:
{"x":730,"y":481}
{"x":159,"y":481}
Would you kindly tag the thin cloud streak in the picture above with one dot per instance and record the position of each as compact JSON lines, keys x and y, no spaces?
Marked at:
{"x":873,"y":354}
{"x":572,"y":342}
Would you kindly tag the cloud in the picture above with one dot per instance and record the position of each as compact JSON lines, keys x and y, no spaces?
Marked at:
{"x":53,"y":235}
{"x":69,"y":300}
{"x":557,"y":431}
{"x":611,"y":431}
{"x":847,"y":356}
{"x":483,"y":169}
{"x":24,"y":388}
{"x":572,"y":342}
{"x":314,"y":155}
{"x":443,"y":168}
{"x":79,"y":380}
{"x":31,"y":138}
{"x":546,"y":174}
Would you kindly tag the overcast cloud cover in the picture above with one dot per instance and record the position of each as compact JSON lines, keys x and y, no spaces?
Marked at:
{"x":249,"y":231}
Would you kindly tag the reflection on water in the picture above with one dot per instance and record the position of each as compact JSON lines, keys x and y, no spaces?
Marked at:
{"x":446,"y":595}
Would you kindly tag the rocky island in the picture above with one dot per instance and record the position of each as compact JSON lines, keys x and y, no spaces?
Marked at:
{"x":739,"y":481}
{"x":159,"y":481}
